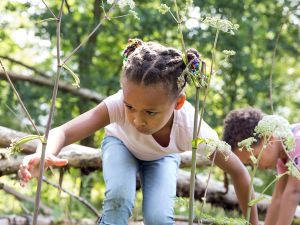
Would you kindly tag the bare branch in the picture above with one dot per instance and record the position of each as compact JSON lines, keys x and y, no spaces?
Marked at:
{"x":82,"y":92}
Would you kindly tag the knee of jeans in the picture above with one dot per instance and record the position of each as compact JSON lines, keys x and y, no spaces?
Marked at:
{"x":158,"y":218}
{"x":119,"y":202}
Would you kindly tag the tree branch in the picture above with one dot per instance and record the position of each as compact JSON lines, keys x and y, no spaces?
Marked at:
{"x":82,"y":92}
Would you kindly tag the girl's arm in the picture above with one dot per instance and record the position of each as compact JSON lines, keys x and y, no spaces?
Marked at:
{"x":241,"y":181}
{"x":272,"y":213}
{"x":72,"y":131}
{"x":289,"y":201}
{"x":78,"y":128}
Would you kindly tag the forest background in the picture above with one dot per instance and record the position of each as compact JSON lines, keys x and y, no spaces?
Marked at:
{"x":28,"y":44}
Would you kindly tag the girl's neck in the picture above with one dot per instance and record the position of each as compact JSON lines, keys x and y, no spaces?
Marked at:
{"x":162,"y":136}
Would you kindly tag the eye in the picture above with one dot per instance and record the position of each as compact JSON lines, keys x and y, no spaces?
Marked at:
{"x":150,"y":113}
{"x":129,"y":107}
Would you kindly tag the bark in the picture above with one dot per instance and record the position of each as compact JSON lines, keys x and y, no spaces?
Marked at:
{"x":90,"y":158}
{"x":39,"y":80}
{"x":79,"y":156}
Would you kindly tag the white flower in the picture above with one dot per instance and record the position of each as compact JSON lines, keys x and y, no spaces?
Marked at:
{"x":213,"y":145}
{"x":221,"y":24}
{"x":278,"y":126}
{"x":247,"y":143}
{"x":163,"y":9}
{"x":228,"y":52}
{"x":122,"y":3}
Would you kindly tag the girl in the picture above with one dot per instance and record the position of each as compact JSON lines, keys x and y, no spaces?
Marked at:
{"x":147,"y":124}
{"x":239,"y":125}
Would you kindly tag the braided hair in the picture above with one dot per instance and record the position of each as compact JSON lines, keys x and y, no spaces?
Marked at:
{"x":151,"y":63}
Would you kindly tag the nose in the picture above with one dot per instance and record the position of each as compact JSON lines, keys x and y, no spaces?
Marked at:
{"x":139,"y":121}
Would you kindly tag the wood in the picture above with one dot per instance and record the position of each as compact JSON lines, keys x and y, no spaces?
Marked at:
{"x":79,"y":156}
{"x":85,"y":157}
{"x":42,"y":81}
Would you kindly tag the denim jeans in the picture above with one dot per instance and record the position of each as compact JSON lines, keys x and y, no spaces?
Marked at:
{"x":158,"y":178}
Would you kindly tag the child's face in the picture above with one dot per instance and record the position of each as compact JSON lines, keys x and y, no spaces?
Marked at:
{"x":148,"y":108}
{"x":269,"y":157}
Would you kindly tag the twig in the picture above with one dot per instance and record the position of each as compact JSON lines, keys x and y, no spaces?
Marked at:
{"x":78,"y":198}
{"x":48,"y":127}
{"x":50,"y":10}
{"x":23,"y":198}
{"x":20,"y":100}
{"x":88,"y":37}
{"x":206,"y":187}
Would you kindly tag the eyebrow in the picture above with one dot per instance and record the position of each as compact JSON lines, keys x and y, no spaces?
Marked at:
{"x":150,"y":109}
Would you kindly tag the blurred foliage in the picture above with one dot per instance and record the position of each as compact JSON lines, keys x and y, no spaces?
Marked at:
{"x":241,"y":81}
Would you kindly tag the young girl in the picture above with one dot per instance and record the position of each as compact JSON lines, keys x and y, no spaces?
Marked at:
{"x":239,"y":125}
{"x":147,"y":124}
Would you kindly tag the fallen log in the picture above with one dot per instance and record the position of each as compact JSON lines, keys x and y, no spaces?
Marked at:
{"x":83,"y":93}
{"x":85,"y":157}
{"x":79,"y":156}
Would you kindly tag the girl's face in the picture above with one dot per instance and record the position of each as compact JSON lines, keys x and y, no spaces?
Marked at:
{"x":148,"y":108}
{"x":269,"y":157}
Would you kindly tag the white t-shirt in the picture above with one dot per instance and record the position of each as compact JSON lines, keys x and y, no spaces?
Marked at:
{"x":145,"y":147}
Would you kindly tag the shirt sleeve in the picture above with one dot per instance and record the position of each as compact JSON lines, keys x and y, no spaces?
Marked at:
{"x":115,"y":106}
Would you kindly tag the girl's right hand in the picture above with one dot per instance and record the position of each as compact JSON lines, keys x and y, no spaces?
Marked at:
{"x":29,"y":167}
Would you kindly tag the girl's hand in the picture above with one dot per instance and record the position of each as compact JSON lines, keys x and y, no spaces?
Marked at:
{"x":29,"y":167}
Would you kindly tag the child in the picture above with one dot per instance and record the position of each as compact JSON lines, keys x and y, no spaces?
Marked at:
{"x":147,"y":124}
{"x":239,"y":125}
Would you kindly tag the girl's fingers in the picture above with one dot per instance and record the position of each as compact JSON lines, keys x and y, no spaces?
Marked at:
{"x":55,"y":161}
{"x":30,"y":166}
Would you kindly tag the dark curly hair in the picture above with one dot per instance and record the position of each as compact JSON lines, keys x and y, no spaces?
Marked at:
{"x":152,"y":63}
{"x":239,"y":124}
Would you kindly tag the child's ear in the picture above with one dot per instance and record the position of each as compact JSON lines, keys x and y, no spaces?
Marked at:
{"x":180,"y":101}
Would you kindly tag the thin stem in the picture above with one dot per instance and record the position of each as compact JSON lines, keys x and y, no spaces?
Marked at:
{"x":173,"y":16}
{"x":196,"y":133}
{"x":49,"y":9}
{"x":209,"y":80}
{"x":78,"y":198}
{"x":276,"y":179}
{"x":179,"y":21}
{"x":117,"y":17}
{"x":19,"y":99}
{"x":206,"y":188}
{"x":48,"y":127}
{"x":88,"y":37}
{"x":193,"y":169}
{"x":266,"y":141}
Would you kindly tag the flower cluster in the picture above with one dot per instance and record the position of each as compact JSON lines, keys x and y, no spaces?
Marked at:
{"x":221,"y":24}
{"x":163,"y":9}
{"x":216,"y":145}
{"x":278,"y":126}
{"x":228,"y":53}
{"x":15,"y":145}
{"x":247,"y":143}
{"x":122,"y":3}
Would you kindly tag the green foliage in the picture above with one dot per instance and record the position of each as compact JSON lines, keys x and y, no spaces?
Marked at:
{"x":240,"y":81}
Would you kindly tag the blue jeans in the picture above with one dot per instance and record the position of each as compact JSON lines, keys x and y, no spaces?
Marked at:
{"x":158,"y":178}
